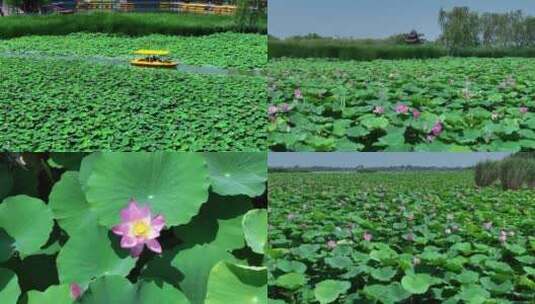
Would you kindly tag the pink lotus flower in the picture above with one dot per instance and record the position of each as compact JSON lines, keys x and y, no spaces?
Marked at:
{"x":138,"y":228}
{"x":503,"y":236}
{"x":298,"y":94}
{"x":272,"y":110}
{"x":487,"y":225}
{"x":437,"y":129}
{"x":416,"y":114}
{"x":367,"y":236}
{"x":284,"y":107}
{"x":430,"y":138}
{"x":378,"y":110}
{"x":523,"y":110}
{"x":402,"y":108}
{"x":76,"y":291}
{"x":331,"y":244}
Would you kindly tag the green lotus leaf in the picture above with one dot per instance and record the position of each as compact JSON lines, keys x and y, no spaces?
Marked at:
{"x":9,"y":286}
{"x":59,"y":294}
{"x":383,"y":254}
{"x":357,"y":131}
{"x":219,"y":223}
{"x":339,"y":262}
{"x":384,"y":274}
{"x":232,"y":283}
{"x":172,"y":184}
{"x":291,"y":281}
{"x":110,"y":289}
{"x":255,"y":228}
{"x":417,"y":283}
{"x":467,"y":277}
{"x":86,"y":167}
{"x":28,"y":221}
{"x":329,"y":290}
{"x":195,"y":264}
{"x":7,"y":247}
{"x":150,"y":292}
{"x":497,"y":288}
{"x":91,"y":254}
{"x":387,"y":294}
{"x":372,"y":123}
{"x":291,"y":266}
{"x":68,"y":204}
{"x":237,"y":173}
{"x":473,"y":294}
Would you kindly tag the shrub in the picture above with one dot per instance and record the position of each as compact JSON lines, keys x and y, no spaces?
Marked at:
{"x":132,"y":24}
{"x":487,"y":173}
{"x":513,"y":173}
{"x":366,"y":49}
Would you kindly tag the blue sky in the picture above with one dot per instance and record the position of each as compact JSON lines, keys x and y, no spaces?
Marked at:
{"x":378,"y":159}
{"x":372,"y":18}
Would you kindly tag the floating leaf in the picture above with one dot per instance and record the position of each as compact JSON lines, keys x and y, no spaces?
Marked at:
{"x":89,"y":254}
{"x":172,"y":184}
{"x":9,"y":286}
{"x":237,"y":173}
{"x":232,"y":283}
{"x":255,"y":225}
{"x":69,"y":206}
{"x":28,"y":221}
{"x":329,"y":290}
{"x":416,"y":283}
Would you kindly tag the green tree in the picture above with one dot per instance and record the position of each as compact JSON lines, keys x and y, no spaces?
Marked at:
{"x":460,"y":28}
{"x":248,"y":14}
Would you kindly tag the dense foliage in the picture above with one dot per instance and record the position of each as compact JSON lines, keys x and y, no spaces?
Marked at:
{"x":462,"y":27}
{"x":132,"y":24}
{"x":447,"y":104}
{"x":418,"y":237}
{"x":61,"y":217}
{"x":244,"y":51}
{"x":359,"y":49}
{"x":58,"y":105}
{"x":513,"y":172}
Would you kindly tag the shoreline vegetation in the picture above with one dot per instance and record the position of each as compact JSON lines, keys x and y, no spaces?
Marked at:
{"x":464,"y":33}
{"x":369,"y":49}
{"x":131,"y":24}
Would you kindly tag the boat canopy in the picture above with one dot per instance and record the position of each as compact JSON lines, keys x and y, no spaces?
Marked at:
{"x":152,"y":52}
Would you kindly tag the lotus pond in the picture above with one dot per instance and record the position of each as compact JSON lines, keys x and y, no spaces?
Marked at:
{"x":227,"y":50}
{"x":417,"y":237}
{"x":448,"y":104}
{"x":133,"y":228}
{"x":72,"y":105}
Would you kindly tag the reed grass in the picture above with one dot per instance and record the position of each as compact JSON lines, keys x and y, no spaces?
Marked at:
{"x":132,"y":24}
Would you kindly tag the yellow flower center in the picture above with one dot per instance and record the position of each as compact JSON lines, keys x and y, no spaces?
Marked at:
{"x":141,"y":228}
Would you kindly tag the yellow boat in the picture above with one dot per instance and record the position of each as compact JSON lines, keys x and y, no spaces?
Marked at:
{"x":153,"y":59}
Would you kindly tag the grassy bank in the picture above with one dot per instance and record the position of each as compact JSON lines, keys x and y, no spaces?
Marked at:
{"x":133,"y":24}
{"x":346,"y":49}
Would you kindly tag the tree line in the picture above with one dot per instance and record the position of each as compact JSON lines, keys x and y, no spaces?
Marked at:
{"x":463,"y":28}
